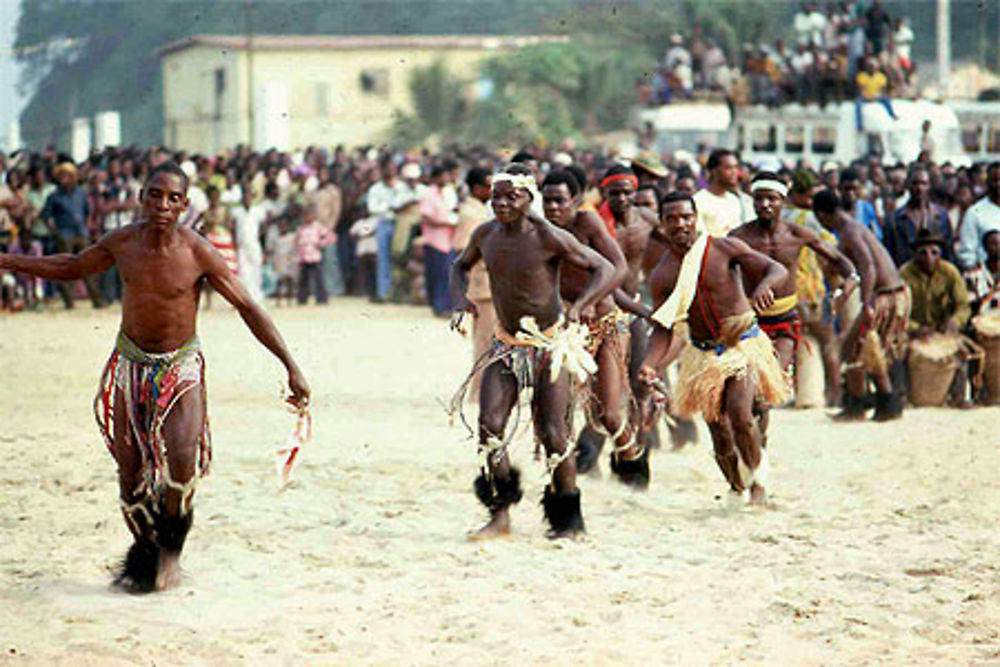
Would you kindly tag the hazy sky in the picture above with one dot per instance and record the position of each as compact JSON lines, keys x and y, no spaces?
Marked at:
{"x":10,"y":101}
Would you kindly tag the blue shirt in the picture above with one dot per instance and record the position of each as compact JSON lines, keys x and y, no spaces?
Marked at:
{"x":69,"y":211}
{"x":864,"y":213}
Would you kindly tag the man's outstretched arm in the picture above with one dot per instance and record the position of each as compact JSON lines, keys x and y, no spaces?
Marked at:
{"x":256,"y":318}
{"x":95,"y":259}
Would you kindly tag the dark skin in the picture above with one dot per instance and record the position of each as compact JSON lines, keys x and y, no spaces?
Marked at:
{"x":523,"y":258}
{"x":561,"y":209}
{"x":927,"y":258}
{"x":877,"y":272}
{"x":163,"y":268}
{"x":824,"y":332}
{"x":633,"y":226}
{"x":727,"y":259}
{"x":783,"y":243}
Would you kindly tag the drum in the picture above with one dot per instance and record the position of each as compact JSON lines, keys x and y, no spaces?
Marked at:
{"x":810,"y":380}
{"x":987,"y":328}
{"x":932,"y":364}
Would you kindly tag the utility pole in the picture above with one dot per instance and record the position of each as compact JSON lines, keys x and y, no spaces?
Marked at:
{"x":248,"y":15}
{"x":943,"y":43}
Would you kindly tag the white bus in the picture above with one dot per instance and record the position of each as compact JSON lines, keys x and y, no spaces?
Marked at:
{"x":793,"y":132}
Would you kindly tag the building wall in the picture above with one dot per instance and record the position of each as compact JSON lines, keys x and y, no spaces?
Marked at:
{"x":196,"y":116}
{"x":301,"y":97}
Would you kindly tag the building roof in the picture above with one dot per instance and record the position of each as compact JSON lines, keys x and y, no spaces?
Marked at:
{"x":356,"y":42}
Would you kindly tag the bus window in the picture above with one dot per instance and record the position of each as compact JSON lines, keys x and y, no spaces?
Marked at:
{"x":970,"y":138}
{"x":824,"y":140}
{"x":795,"y":138}
{"x":762,"y":138}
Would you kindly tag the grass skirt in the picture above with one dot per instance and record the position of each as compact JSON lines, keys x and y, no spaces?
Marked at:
{"x":703,"y":375}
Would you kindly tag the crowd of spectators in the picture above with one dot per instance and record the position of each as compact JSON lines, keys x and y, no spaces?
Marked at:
{"x":818,"y":62}
{"x":386,"y":225}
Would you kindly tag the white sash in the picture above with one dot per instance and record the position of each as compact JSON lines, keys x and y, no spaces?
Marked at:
{"x":675,"y":309}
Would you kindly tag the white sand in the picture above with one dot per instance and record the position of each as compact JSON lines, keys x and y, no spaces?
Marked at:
{"x":881,"y":545}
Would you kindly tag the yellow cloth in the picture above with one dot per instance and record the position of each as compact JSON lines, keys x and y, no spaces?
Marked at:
{"x":675,"y":308}
{"x":781,"y":306}
{"x":871,"y":86}
{"x":809,"y":284}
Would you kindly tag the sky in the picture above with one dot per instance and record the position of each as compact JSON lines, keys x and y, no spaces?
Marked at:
{"x":11,"y":102}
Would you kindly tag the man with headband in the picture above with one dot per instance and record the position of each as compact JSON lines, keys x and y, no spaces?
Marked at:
{"x":532,"y":347}
{"x":783,"y":243}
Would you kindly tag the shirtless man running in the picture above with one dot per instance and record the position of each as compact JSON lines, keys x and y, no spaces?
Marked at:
{"x":609,"y":396}
{"x":783,"y":243}
{"x":523,"y":258}
{"x":151,"y":405}
{"x":875,"y":343}
{"x":730,"y":364}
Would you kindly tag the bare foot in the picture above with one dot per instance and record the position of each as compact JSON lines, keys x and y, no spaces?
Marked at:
{"x":498,"y":526}
{"x":757,"y":495}
{"x":169,"y":574}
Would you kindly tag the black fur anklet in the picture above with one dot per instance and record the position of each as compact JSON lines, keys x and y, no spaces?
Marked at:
{"x":137,"y":572}
{"x":499,"y":493}
{"x":634,"y":472}
{"x":171,"y":531}
{"x":562,"y":509}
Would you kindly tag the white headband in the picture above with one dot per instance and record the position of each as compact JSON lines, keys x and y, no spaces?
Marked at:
{"x":518,"y":181}
{"x":768,"y":184}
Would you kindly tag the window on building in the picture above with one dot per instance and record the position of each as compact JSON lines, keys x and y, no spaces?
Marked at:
{"x":220,"y":89}
{"x":322,"y":98}
{"x":375,"y":81}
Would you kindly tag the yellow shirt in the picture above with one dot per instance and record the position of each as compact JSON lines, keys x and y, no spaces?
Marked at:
{"x":871,"y":86}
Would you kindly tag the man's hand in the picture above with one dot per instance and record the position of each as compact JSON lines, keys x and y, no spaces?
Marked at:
{"x":762,"y":299}
{"x":299,"y":387}
{"x":573,"y":313}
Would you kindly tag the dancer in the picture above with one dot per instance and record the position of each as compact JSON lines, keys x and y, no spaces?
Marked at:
{"x":523,"y":258}
{"x":875,"y":343}
{"x":151,"y":405}
{"x":729,"y":364}
{"x":608,"y":393}
{"x":783,"y":243}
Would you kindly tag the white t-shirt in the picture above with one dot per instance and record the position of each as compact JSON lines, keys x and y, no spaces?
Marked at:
{"x":720,"y":215}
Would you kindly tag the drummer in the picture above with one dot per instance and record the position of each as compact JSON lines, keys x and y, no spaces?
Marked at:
{"x":940,"y":300}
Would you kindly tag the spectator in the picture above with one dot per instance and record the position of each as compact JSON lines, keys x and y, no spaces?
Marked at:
{"x":69,"y":210}
{"x":873,"y":86}
{"x":438,"y":231}
{"x":919,"y":213}
{"x":939,"y":299}
{"x":877,"y":26}
{"x":851,"y":200}
{"x":310,"y":239}
{"x":982,"y":217}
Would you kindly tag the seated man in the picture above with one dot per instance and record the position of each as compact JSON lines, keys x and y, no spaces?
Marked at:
{"x":873,"y":86}
{"x":940,"y":301}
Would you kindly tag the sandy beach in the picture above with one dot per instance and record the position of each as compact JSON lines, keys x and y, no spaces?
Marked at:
{"x":880,"y":544}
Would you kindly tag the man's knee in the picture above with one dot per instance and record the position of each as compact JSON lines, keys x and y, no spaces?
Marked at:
{"x":552,"y":434}
{"x":742,"y":421}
